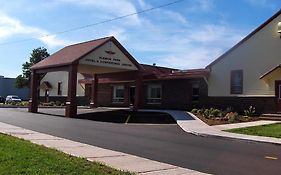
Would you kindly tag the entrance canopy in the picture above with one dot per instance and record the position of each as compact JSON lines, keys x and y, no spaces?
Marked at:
{"x":101,"y":56}
{"x":105,"y":54}
{"x":272,"y":74}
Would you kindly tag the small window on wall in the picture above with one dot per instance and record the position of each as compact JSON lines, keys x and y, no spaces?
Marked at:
{"x":236,"y":82}
{"x":118,"y":94}
{"x":59,"y":88}
{"x":154,"y":93}
{"x":195,"y":92}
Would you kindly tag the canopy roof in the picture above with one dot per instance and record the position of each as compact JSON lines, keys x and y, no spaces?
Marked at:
{"x":270,"y":71}
{"x":73,"y":53}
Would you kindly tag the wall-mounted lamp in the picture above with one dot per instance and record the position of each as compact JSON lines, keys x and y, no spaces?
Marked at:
{"x":279,"y":28}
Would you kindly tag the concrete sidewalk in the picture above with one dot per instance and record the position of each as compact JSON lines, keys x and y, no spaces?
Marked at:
{"x":245,"y":124}
{"x":191,"y":124}
{"x":111,"y":158}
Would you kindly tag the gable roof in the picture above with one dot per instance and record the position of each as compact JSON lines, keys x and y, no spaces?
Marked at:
{"x":73,"y":53}
{"x":245,"y":39}
{"x":270,"y":71}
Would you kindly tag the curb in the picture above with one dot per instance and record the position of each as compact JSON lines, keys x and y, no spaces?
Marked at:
{"x":114,"y":159}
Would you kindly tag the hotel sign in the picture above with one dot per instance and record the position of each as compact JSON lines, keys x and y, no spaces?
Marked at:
{"x":108,"y":55}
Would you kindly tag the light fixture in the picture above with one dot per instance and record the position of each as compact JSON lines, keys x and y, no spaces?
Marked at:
{"x":279,"y":28}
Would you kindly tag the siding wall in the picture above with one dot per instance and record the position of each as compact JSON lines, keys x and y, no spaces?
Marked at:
{"x":54,"y":77}
{"x":255,"y":57}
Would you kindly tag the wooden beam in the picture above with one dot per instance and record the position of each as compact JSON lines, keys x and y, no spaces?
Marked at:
{"x":138,"y":92}
{"x":71,"y":103}
{"x":94,"y":93}
{"x":33,"y":102}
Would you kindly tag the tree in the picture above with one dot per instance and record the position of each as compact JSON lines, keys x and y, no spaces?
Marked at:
{"x":36,"y":56}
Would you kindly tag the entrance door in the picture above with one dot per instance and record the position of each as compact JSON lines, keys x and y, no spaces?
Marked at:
{"x":132,"y":95}
{"x":278,"y":94}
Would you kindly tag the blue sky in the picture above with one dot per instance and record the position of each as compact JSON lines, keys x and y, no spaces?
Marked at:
{"x":189,"y":34}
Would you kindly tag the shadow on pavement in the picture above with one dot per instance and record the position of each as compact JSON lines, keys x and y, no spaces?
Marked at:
{"x":125,"y":116}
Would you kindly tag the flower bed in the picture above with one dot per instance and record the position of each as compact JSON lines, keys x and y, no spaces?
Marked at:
{"x":214,"y":116}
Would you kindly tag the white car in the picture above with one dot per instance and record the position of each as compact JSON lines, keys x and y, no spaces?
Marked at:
{"x":12,"y":98}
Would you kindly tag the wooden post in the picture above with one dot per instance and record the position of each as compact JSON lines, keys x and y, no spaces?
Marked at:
{"x":71,"y":103}
{"x":33,"y":101}
{"x":138,"y":92}
{"x":94,"y":92}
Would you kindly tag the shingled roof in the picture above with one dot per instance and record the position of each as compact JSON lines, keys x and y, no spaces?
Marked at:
{"x":73,"y":53}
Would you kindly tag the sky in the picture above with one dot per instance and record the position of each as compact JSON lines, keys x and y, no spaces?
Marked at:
{"x":186,"y":35}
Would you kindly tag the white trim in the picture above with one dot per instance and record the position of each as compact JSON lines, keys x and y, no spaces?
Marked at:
{"x":245,"y":96}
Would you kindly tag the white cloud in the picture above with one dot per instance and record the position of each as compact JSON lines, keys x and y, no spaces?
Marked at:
{"x":175,"y":16}
{"x":143,"y":4}
{"x":10,"y":27}
{"x":193,"y":47}
{"x":200,"y":5}
{"x":115,"y":8}
{"x":261,"y":3}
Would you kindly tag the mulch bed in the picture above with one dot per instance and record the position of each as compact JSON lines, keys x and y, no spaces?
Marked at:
{"x":221,"y":122}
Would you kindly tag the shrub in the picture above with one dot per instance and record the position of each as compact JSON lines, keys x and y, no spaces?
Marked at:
{"x":200,"y":111}
{"x":206,"y":113}
{"x":194,"y":111}
{"x":58,"y":103}
{"x":52,"y":103}
{"x":232,"y":116}
{"x":23,"y":103}
{"x":250,"y":112}
{"x":216,"y":113}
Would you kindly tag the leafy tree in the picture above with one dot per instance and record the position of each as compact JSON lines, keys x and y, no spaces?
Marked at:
{"x":36,"y":56}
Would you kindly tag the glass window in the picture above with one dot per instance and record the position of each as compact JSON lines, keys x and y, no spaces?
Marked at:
{"x":195,"y":92}
{"x":118,"y":94}
{"x":154,"y":93}
{"x":59,"y":88}
{"x":236,"y":82}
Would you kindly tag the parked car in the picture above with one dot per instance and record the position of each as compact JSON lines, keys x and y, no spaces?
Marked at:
{"x":12,"y":98}
{"x":2,"y":99}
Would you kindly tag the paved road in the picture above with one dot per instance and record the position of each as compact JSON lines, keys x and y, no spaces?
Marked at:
{"x":165,"y":143}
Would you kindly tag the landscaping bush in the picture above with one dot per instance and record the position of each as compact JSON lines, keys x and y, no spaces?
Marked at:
{"x":216,"y":113}
{"x":23,"y":103}
{"x":200,"y":111}
{"x":206,"y":113}
{"x":232,"y":116}
{"x":58,"y":103}
{"x":194,"y":111}
{"x":250,"y":112}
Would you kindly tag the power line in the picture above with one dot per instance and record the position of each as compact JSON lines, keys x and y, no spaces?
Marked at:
{"x":95,"y":24}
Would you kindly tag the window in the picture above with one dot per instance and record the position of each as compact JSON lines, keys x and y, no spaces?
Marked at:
{"x":59,"y":88}
{"x":236,"y":82}
{"x":195,"y":92}
{"x":154,"y":93}
{"x":118,"y":94}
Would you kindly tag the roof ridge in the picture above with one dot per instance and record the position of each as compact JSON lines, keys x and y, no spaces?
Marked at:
{"x":158,"y":66}
{"x":107,"y":37}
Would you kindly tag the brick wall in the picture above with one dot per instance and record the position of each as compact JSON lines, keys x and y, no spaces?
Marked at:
{"x":239,"y":104}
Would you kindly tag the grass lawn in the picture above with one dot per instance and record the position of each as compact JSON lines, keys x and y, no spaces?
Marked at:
{"x":272,"y":130}
{"x":18,"y":156}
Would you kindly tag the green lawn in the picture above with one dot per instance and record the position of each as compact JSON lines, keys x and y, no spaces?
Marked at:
{"x":18,"y":156}
{"x":272,"y":130}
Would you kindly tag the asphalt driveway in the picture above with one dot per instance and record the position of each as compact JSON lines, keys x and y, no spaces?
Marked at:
{"x":165,"y":143}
